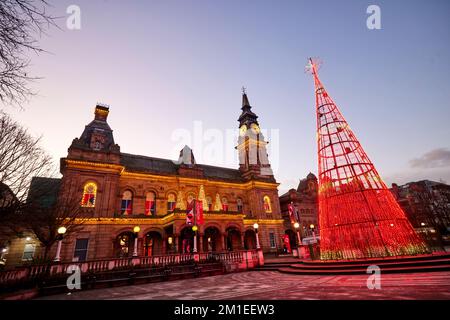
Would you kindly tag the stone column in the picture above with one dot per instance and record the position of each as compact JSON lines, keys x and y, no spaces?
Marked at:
{"x":242,"y":241}
{"x":224,"y":242}
{"x":164,"y":245}
{"x":175,"y":243}
{"x":200,"y":249}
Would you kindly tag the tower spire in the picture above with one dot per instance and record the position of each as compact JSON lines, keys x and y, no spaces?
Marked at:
{"x":247,"y":116}
{"x":245,"y":102}
{"x":253,"y":158}
{"x":358,"y":215}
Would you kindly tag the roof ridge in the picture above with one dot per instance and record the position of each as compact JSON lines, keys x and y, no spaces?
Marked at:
{"x":174,"y":161}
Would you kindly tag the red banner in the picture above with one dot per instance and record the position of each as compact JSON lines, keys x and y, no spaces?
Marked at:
{"x":291,"y":213}
{"x":199,"y":212}
{"x":286,"y":243}
{"x":190,"y":213}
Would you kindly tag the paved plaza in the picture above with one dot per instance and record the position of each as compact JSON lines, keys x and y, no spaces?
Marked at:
{"x":272,"y":285}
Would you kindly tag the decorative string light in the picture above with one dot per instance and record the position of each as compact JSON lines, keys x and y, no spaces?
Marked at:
{"x":358,"y":215}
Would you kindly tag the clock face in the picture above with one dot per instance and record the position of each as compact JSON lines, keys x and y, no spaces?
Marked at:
{"x":243,"y":130}
{"x":255,"y":128}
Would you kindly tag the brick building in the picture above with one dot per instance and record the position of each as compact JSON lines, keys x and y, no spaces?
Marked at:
{"x":119,"y":191}
{"x":304,"y":202}
{"x":427,"y":206}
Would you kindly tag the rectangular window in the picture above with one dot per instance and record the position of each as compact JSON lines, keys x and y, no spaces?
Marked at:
{"x":81,"y":247}
{"x":28,"y":252}
{"x":150,"y":207}
{"x":171,"y":206}
{"x":272,"y":240}
{"x":126,"y":207}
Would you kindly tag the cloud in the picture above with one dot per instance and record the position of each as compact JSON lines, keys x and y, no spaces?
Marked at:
{"x":436,"y":158}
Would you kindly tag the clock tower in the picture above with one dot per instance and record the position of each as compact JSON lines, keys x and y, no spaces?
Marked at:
{"x":253,"y":160}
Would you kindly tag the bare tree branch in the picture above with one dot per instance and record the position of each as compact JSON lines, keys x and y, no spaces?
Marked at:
{"x":29,"y":195}
{"x":21,"y":23}
{"x":21,"y":157}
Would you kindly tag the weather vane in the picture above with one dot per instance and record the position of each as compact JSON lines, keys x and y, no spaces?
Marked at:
{"x":244,"y":90}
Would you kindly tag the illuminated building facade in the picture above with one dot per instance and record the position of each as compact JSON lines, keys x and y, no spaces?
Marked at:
{"x":427,"y":205}
{"x":304,"y":202}
{"x":119,"y":191}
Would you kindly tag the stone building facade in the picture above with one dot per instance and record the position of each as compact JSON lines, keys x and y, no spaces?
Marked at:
{"x":120,"y":191}
{"x":305,"y":209}
{"x":427,"y":206}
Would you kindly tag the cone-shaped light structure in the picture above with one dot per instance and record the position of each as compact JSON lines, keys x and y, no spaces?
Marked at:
{"x":358,"y":215}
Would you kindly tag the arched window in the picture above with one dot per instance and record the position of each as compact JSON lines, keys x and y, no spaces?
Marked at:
{"x":127,"y":202}
{"x":224,"y":204}
{"x":240,"y":205}
{"x":89,"y":195}
{"x":267,"y":204}
{"x":150,"y":204}
{"x":190,"y":197}
{"x":171,"y":202}
{"x":190,"y":201}
{"x":210,"y":204}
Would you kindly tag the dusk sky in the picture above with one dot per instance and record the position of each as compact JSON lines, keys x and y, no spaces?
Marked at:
{"x":162,"y":65}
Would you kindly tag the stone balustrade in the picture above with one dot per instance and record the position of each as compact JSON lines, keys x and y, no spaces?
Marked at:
{"x":233,"y":261}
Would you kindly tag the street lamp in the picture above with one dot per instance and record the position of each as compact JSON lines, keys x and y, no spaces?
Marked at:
{"x":61,"y":232}
{"x":136,"y":230}
{"x":297,"y":226}
{"x":256,"y":226}
{"x":195,"y":228}
{"x":311,"y":226}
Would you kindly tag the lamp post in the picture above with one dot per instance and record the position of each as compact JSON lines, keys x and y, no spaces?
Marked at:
{"x":297,"y":226}
{"x":256,"y":226}
{"x":61,"y":232}
{"x":136,"y":230}
{"x":311,"y":226}
{"x":195,"y":228}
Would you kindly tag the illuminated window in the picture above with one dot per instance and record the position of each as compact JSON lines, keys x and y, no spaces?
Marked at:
{"x":190,"y":201}
{"x":267,"y":205}
{"x":150,"y":204}
{"x":89,"y":195}
{"x":240,"y":205}
{"x":171,"y":202}
{"x":127,"y":202}
{"x":224,"y":204}
{"x":210,"y":203}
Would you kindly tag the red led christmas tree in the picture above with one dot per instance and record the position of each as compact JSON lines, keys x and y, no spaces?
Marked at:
{"x":358,"y":215}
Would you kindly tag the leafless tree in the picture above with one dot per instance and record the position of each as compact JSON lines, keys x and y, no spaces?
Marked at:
{"x":46,"y":211}
{"x":29,"y":193}
{"x":21,"y":23}
{"x":21,"y":157}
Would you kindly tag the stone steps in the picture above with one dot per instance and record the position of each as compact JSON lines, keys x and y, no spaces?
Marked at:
{"x":424,"y":263}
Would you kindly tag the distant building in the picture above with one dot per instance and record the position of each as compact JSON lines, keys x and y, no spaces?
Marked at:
{"x":18,"y":245}
{"x":427,"y":205}
{"x":7,"y":197}
{"x":304,"y":201}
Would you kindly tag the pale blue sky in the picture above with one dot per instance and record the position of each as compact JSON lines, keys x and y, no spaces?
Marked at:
{"x":161,"y":65}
